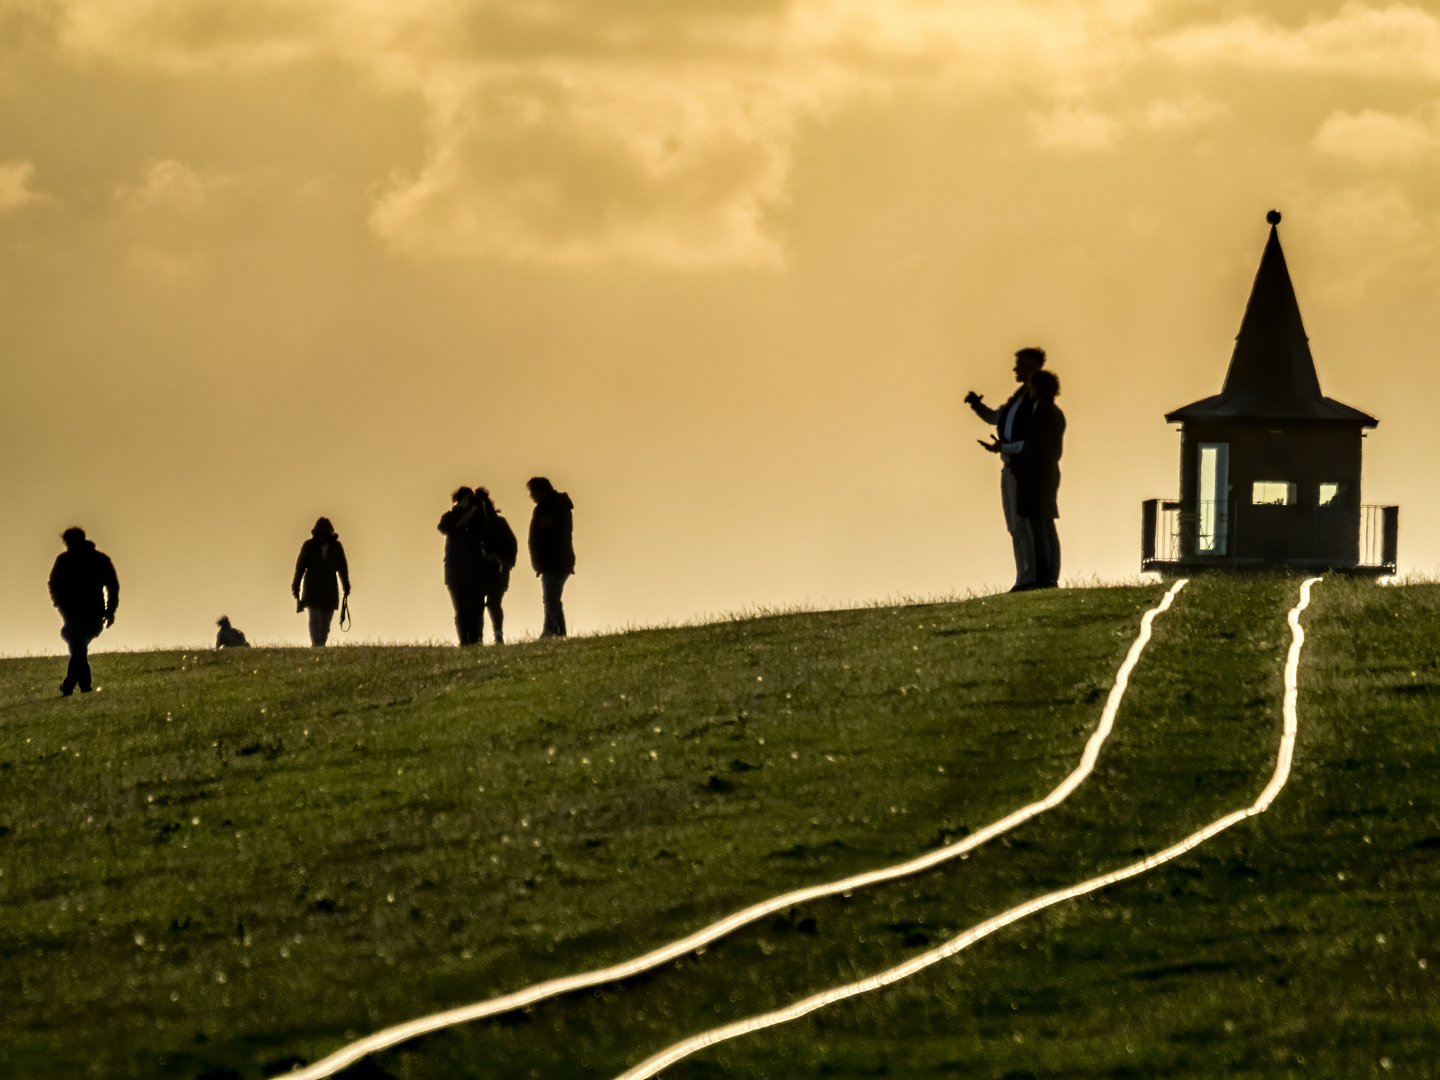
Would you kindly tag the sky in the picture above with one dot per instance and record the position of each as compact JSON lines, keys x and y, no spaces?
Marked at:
{"x":722,"y":270}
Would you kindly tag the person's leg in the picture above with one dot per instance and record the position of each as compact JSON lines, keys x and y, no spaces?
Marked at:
{"x":80,"y":652}
{"x":78,"y":634}
{"x":320,"y":625}
{"x":72,"y":670}
{"x":1022,"y":537}
{"x":1052,"y":544}
{"x":551,"y":586}
{"x":494,"y":598}
{"x":457,"y":601}
{"x":474,"y":605}
{"x":1047,"y":552}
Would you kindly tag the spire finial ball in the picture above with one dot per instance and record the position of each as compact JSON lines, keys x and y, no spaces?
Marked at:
{"x":1273,"y":217}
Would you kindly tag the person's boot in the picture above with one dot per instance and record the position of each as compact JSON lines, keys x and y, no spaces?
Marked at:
{"x":67,"y":688}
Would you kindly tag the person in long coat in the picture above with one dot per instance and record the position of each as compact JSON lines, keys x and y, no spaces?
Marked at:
{"x":552,"y":549}
{"x":502,"y":550}
{"x":321,"y":561}
{"x":463,"y":528}
{"x":1038,"y":476}
{"x":84,"y":588}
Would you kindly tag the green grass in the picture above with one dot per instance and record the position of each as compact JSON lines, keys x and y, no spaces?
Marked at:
{"x":223,"y":863}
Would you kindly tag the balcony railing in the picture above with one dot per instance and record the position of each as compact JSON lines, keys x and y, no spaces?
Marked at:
{"x":1169,"y":535}
{"x":1379,"y":536}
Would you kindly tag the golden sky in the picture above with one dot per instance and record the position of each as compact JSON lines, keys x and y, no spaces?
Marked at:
{"x":722,"y":269}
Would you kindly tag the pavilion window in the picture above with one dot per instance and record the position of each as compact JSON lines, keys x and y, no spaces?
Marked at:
{"x":1333,"y":494}
{"x":1212,"y":516}
{"x":1273,"y":493}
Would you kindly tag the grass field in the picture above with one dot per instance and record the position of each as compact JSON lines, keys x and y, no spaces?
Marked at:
{"x":225,"y":864}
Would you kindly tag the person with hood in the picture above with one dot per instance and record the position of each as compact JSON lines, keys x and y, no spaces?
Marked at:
{"x":552,"y":549}
{"x":321,"y":561}
{"x":1038,"y":476}
{"x":502,"y":549}
{"x":85,"y":590}
{"x":463,"y":528}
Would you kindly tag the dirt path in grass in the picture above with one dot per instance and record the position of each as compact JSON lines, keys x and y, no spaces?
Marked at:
{"x":659,"y":1062}
{"x":392,"y":1036}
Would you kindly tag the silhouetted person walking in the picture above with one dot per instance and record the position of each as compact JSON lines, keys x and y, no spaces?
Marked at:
{"x":83,"y":586}
{"x":1038,"y":475}
{"x":503,"y":550}
{"x":228,"y":636}
{"x":321,"y":561}
{"x":552,"y":549}
{"x":463,"y":526}
{"x":1012,"y":420}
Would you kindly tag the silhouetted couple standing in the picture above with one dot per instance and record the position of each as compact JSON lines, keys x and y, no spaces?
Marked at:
{"x":84,"y":588}
{"x":480,"y":552}
{"x":1030,"y":435}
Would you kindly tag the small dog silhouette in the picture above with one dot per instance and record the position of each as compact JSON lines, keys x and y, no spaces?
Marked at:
{"x":229,"y":637}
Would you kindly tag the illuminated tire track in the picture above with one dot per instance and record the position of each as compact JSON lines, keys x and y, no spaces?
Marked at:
{"x":653,"y":1065}
{"x":392,"y":1036}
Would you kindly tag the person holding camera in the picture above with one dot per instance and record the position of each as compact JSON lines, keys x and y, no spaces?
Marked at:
{"x":1012,"y":421}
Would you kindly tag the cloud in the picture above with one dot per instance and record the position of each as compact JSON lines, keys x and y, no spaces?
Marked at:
{"x":1380,"y":138}
{"x":1399,"y":41}
{"x":15,"y":189}
{"x":571,"y":131}
{"x":1180,"y":114}
{"x":674,"y":167}
{"x":162,"y":266}
{"x":170,"y":185}
{"x":1370,"y":234}
{"x":1073,"y":128}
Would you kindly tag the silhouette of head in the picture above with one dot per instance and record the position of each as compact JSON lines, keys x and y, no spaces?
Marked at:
{"x":323,"y":530}
{"x":539,"y":487}
{"x":1028,"y":361}
{"x":460,"y":493}
{"x":73,"y":536}
{"x":223,"y":622}
{"x":483,"y":495}
{"x":1044,"y":386}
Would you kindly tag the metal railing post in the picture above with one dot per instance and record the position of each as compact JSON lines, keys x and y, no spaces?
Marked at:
{"x":1148,"y":511}
{"x":1390,"y":532}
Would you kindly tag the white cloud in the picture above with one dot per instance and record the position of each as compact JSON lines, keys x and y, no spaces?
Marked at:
{"x":1075,"y":129}
{"x":1369,"y":234}
{"x":1380,"y":138}
{"x":575,"y":131}
{"x":15,"y":189}
{"x":1398,"y":41}
{"x":1179,"y":114}
{"x":170,"y":185}
{"x":163,"y":266}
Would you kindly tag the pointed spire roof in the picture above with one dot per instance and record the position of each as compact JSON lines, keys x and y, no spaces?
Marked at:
{"x":1272,"y":374}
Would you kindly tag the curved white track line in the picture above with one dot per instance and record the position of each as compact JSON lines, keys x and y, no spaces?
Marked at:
{"x":391,"y":1036}
{"x":679,"y":1050}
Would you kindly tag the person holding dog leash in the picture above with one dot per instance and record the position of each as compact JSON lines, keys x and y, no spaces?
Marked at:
{"x":321,"y":561}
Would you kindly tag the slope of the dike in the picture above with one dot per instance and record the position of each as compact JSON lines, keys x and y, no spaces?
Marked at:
{"x":225,"y":864}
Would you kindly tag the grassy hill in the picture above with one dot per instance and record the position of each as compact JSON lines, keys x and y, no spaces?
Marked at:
{"x":223,"y":864}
